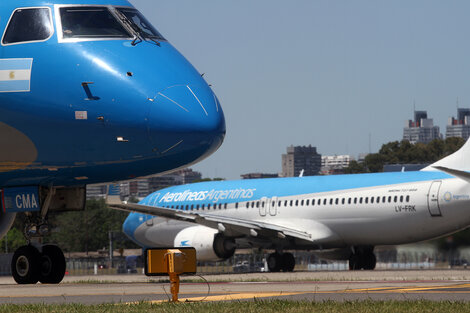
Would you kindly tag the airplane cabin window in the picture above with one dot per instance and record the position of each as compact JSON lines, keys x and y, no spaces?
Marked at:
{"x":343,"y":201}
{"x":291,"y":202}
{"x":324,"y":201}
{"x":355,"y":200}
{"x":395,"y":199}
{"x":313,"y":201}
{"x":349,"y":200}
{"x":301,"y":202}
{"x":27,"y":25}
{"x":257,"y":204}
{"x":285,"y":203}
{"x":236,"y":205}
{"x":366,"y":200}
{"x":225,"y":205}
{"x":91,"y":22}
{"x":378,"y":199}
{"x":360,"y":200}
{"x":296,"y":202}
{"x":408,"y":198}
{"x":389,"y":199}
{"x":307,"y":202}
{"x":401,"y":198}
{"x":337,"y":201}
{"x":371,"y":199}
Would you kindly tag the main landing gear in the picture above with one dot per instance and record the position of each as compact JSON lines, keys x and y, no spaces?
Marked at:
{"x":278,"y":262}
{"x":45,"y":264}
{"x":362,"y":258}
{"x":36,"y":262}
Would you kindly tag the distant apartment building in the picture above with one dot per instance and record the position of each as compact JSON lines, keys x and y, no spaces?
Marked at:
{"x":460,"y":126}
{"x":142,"y":187}
{"x":301,"y":158}
{"x":421,"y":129}
{"x":258,"y":175}
{"x":334,"y":164}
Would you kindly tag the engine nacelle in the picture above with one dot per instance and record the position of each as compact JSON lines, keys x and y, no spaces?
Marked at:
{"x":6,"y":221}
{"x":210,"y":245}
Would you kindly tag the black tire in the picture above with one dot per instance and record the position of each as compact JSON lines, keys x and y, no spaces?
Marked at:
{"x":25,"y":265}
{"x":274,"y":262}
{"x":369,"y":261}
{"x":288,"y":262}
{"x":52,"y":265}
{"x":355,"y":263}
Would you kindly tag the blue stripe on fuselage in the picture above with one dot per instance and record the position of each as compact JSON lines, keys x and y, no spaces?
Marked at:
{"x":15,"y":64}
{"x":14,"y":85}
{"x":252,"y":189}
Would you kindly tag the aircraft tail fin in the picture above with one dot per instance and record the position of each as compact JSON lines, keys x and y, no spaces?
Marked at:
{"x":459,"y":160}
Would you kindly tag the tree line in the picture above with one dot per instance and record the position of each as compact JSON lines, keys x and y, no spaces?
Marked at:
{"x":403,"y":152}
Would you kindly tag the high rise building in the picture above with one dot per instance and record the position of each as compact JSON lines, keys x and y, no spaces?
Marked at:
{"x":422,"y":129}
{"x":301,"y":158}
{"x":334,"y":164}
{"x":460,"y":126}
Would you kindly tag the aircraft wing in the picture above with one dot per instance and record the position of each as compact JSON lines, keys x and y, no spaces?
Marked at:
{"x":229,"y":225}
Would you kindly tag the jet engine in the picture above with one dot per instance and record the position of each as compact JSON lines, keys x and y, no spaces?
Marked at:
{"x":210,"y":245}
{"x":6,"y":220}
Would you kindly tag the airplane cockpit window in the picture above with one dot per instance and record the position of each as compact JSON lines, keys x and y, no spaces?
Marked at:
{"x":28,"y":25}
{"x":140,"y":23}
{"x":91,"y":22}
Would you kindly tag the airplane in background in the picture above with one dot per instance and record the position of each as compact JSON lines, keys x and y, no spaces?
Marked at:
{"x":90,"y":92}
{"x":337,"y":217}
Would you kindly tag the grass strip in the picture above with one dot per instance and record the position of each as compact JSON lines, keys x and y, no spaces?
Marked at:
{"x":265,"y":306}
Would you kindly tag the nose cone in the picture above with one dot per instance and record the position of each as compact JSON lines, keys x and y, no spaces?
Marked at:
{"x":186,"y":118}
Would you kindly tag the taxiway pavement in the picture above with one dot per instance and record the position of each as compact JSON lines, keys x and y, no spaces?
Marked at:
{"x":453,"y":285}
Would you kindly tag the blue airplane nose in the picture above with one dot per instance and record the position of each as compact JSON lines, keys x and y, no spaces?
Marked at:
{"x":186,"y":118}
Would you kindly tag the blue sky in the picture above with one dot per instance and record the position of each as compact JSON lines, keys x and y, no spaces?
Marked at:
{"x":326,"y":73}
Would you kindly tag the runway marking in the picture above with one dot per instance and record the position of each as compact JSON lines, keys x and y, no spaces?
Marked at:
{"x":413,"y":289}
{"x":235,"y":296}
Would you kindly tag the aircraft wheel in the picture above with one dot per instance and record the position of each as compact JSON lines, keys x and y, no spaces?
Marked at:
{"x":355,"y":263}
{"x":52,"y":265}
{"x":24,"y":265}
{"x":288,"y":262}
{"x":369,"y":261}
{"x":274,"y":262}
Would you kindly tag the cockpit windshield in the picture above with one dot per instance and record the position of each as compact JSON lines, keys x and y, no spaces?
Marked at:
{"x":91,"y":22}
{"x":105,"y":22}
{"x":138,"y":20}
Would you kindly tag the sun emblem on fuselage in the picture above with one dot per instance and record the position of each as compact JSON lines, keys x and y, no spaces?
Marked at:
{"x":12,"y":75}
{"x":447,"y":196}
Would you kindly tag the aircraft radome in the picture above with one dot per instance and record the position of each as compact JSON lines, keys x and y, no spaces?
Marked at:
{"x":90,"y":92}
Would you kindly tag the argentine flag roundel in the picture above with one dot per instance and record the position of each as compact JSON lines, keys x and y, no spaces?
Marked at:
{"x":15,"y":75}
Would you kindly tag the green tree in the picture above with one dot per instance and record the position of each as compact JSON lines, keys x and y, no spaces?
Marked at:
{"x":88,"y":230}
{"x":14,"y":239}
{"x":403,"y":152}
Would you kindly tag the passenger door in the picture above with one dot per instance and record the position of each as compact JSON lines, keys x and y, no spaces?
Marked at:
{"x":433,"y":198}
{"x":273,"y":206}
